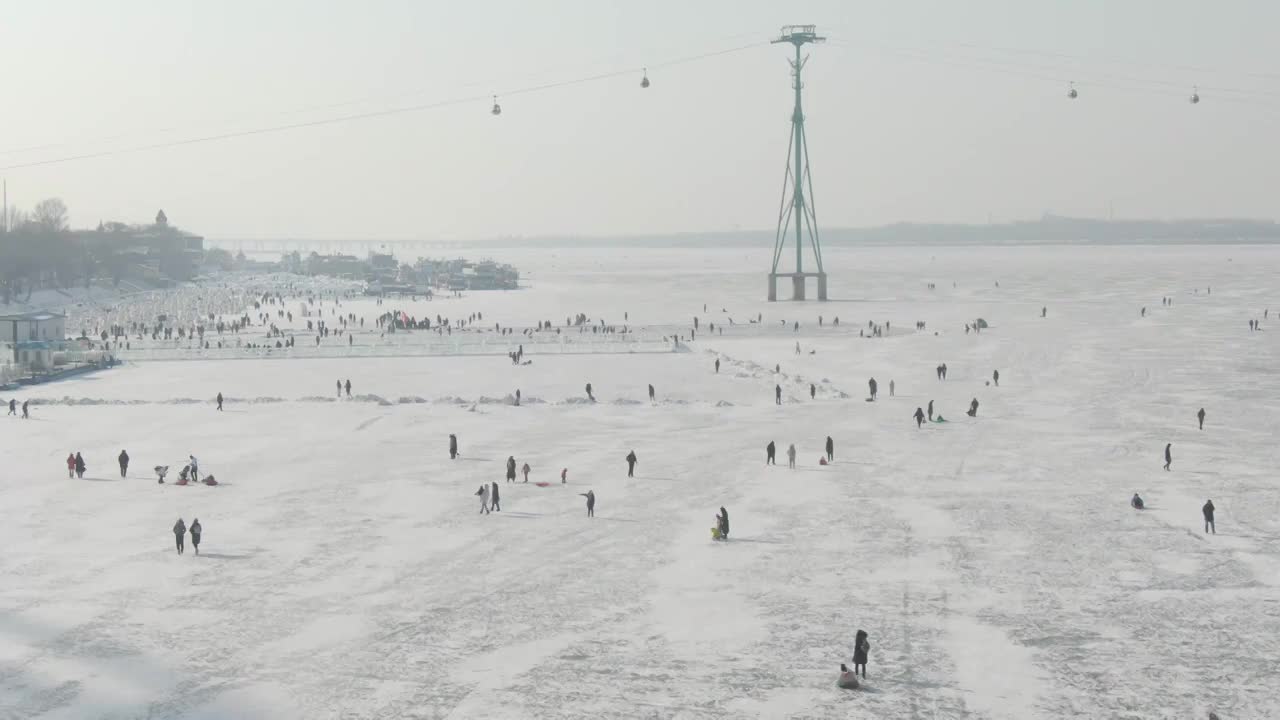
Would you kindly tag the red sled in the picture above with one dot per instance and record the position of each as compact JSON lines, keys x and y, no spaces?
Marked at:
{"x":182,"y":481}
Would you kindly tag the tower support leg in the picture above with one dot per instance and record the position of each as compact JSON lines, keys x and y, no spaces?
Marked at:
{"x":822,"y":286}
{"x":773,"y":288}
{"x":797,"y":282}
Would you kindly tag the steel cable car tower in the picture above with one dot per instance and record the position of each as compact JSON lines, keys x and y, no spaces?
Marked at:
{"x":797,"y":212}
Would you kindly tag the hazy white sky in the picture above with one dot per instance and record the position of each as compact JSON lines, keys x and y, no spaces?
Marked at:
{"x":915,"y":113}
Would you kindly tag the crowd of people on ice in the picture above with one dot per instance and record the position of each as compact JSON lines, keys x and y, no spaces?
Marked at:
{"x":490,"y":492}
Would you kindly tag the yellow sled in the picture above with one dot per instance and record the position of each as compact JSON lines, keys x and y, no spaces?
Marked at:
{"x":715,"y":534}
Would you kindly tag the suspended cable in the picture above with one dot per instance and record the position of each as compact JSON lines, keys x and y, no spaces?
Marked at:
{"x":1069,"y":75}
{"x":400,"y":96}
{"x":353,"y":117}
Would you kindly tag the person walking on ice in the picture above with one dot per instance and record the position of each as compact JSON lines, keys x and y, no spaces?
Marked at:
{"x":590,"y":397}
{"x":1168,"y":455}
{"x":26,"y":406}
{"x":813,"y":391}
{"x":493,"y":497}
{"x":777,"y":394}
{"x":524,"y":469}
{"x":219,"y":401}
{"x":453,"y":446}
{"x":919,"y":416}
{"x":1208,"y":517}
{"x":179,"y":532}
{"x":871,"y":385}
{"x":631,"y":464}
{"x":930,"y":411}
{"x":861,"y":649}
{"x":1200,"y":417}
{"x":892,"y":387}
{"x":770,"y":451}
{"x":831,"y":449}
{"x":791,"y":456}
{"x":339,"y":384}
{"x":722,"y":523}
{"x":13,"y":405}
{"x":71,"y":466}
{"x":483,"y":494}
{"x":124,"y":462}
{"x":80,"y":468}
{"x":511,"y":468}
{"x":590,"y":495}
{"x":995,"y":377}
{"x":651,"y":393}
{"x":195,"y":534}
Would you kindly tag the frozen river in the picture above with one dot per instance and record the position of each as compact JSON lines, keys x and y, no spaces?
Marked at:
{"x":345,"y":571}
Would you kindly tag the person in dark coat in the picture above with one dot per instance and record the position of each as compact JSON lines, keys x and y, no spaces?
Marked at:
{"x":79,"y":466}
{"x":517,"y":397}
{"x":124,"y":462}
{"x":590,"y":397}
{"x":919,"y":416}
{"x":493,"y":497}
{"x":930,"y":411}
{"x":722,"y":522}
{"x":631,"y":464}
{"x":453,"y":446}
{"x":13,"y":404}
{"x":973,"y":408}
{"x":1200,"y":416}
{"x":1168,"y":455}
{"x":769,"y":451}
{"x":777,"y":394}
{"x":179,"y":532}
{"x":871,"y":384}
{"x":219,"y":401}
{"x":1208,"y":517}
{"x":995,"y":378}
{"x":717,"y":366}
{"x":651,"y":392}
{"x":348,"y":387}
{"x":195,"y":534}
{"x":861,"y":648}
{"x":26,"y":405}
{"x":590,"y":495}
{"x":831,"y":449}
{"x":1136,"y":503}
{"x":813,"y":391}
{"x":511,"y":468}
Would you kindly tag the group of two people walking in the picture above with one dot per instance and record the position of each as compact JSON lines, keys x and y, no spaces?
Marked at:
{"x":180,"y":530}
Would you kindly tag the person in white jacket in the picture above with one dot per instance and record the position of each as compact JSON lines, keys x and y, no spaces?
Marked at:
{"x":791,"y":456}
{"x":483,"y":492}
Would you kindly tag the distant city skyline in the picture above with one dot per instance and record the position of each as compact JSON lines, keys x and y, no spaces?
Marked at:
{"x":927,"y":112}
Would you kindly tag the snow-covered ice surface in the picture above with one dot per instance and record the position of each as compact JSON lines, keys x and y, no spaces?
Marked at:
{"x":346,"y":573}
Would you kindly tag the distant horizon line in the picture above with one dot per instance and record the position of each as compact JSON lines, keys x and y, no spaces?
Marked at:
{"x":837,"y":234}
